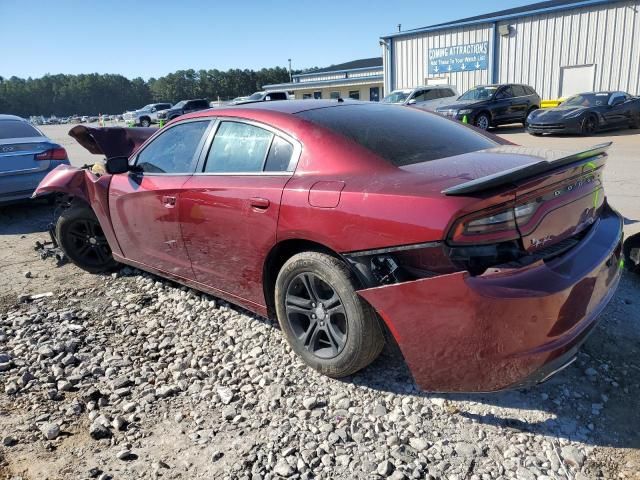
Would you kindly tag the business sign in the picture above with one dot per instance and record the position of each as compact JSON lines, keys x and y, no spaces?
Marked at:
{"x":458,"y":58}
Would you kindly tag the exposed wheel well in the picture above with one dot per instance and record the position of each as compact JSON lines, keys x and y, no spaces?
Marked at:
{"x":277,"y":257}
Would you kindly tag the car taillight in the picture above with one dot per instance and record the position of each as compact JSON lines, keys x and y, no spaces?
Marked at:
{"x":53,"y":154}
{"x":489,"y":227}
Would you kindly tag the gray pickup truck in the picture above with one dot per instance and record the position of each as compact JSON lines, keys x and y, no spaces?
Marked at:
{"x":146,"y":115}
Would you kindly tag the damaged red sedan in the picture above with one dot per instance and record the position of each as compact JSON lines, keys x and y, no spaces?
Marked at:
{"x":487,"y":262}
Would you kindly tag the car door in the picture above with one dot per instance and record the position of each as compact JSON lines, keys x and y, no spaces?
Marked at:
{"x":431,"y":99}
{"x":230,"y":207}
{"x":618,"y":110}
{"x":144,"y":204}
{"x":501,"y":105}
{"x":520,"y":103}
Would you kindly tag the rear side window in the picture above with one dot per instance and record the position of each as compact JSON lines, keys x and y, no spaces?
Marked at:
{"x":402,"y":136}
{"x":446,"y":92}
{"x":518,"y":91}
{"x":17,"y":129}
{"x":279,"y":156}
{"x":238,"y":148}
{"x":173,"y":150}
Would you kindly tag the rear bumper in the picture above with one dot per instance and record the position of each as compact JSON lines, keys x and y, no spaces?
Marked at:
{"x":22,"y":185}
{"x":507,"y":329}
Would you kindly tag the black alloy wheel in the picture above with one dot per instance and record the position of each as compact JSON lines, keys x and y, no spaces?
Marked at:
{"x":316,"y":315}
{"x":589,"y":125}
{"x":81,"y":238}
{"x":322,"y":317}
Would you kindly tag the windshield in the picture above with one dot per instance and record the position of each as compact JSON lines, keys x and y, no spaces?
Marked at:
{"x":479,"y":93}
{"x":396,"y":97}
{"x":587,"y":100}
{"x":147,"y":107}
{"x":256,"y":96}
{"x":180,"y":104}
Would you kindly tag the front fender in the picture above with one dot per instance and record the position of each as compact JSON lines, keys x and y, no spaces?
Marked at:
{"x":82,"y":184}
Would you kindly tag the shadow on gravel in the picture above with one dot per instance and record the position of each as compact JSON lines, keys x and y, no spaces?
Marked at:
{"x":563,"y":407}
{"x":25,"y":217}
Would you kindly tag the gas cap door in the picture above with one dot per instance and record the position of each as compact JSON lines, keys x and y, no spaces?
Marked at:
{"x":325,"y":194}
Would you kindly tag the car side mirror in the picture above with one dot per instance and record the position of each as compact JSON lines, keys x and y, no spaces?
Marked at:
{"x":153,"y":109}
{"x":411,"y":102}
{"x":117,"y":165}
{"x":267,"y":98}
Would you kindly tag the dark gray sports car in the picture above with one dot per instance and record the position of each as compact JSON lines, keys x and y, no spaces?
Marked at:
{"x":587,"y":113}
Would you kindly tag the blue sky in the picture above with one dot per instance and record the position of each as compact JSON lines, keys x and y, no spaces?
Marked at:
{"x":152,"y":38}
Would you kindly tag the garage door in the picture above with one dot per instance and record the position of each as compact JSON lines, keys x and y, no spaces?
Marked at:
{"x":576,"y":79}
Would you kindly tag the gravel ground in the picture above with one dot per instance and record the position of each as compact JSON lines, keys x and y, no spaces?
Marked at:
{"x":131,"y":376}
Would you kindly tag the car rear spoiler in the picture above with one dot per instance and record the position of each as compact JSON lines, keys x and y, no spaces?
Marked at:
{"x":547,"y":161}
{"x":111,"y":141}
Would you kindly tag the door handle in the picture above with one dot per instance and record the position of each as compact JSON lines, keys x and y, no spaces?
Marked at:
{"x":260,"y":203}
{"x":168,"y":201}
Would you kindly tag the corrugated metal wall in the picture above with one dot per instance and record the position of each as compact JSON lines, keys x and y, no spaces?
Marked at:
{"x":607,"y":36}
{"x":410,"y":57}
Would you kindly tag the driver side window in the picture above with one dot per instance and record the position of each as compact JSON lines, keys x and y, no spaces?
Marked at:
{"x":173,"y":151}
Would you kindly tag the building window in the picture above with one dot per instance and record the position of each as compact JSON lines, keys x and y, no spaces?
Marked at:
{"x":317,"y":95}
{"x":354,"y":94}
{"x":374,"y":94}
{"x":334,"y":95}
{"x":306,"y":96}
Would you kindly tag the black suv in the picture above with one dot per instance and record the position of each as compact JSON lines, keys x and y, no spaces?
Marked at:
{"x":492,"y":105}
{"x":182,"y":107}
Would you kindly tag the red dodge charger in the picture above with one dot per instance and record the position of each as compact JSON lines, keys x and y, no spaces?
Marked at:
{"x":487,"y":262}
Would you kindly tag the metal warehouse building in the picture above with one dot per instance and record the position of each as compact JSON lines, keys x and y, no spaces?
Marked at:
{"x":558,"y":47}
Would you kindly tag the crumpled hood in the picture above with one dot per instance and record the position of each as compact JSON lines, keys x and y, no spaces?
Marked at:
{"x":111,"y":141}
{"x":557,"y":113}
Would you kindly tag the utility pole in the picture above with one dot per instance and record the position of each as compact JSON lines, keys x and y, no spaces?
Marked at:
{"x":290,"y":76}
{"x":399,"y":26}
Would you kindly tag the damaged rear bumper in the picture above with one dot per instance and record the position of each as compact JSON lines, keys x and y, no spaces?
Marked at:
{"x":506,"y":329}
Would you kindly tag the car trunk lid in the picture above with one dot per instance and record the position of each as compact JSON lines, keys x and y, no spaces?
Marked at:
{"x":554,"y":196}
{"x":18,"y":155}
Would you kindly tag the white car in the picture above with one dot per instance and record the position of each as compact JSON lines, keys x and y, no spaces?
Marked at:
{"x":146,"y":115}
{"x":427,"y":97}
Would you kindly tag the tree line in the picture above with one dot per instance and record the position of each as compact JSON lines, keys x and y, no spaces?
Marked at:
{"x":90,"y":94}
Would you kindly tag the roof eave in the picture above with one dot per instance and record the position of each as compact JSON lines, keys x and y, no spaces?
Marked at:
{"x":497,"y":18}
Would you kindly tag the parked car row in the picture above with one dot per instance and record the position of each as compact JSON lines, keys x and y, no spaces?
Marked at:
{"x":487,"y":106}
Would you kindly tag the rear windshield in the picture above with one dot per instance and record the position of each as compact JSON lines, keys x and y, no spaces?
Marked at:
{"x":401,"y":135}
{"x":17,"y":129}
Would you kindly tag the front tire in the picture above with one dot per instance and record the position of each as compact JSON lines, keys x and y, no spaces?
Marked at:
{"x":322,"y":317}
{"x":482,"y":121}
{"x":81,"y":238}
{"x":589,"y":125}
{"x":145,"y":122}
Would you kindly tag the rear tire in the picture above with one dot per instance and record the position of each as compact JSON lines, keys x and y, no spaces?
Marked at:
{"x":81,"y":238}
{"x":482,"y":121}
{"x":322,"y":317}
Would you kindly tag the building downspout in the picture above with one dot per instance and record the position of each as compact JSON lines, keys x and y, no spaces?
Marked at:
{"x":387,"y":45}
{"x":493,"y":53}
